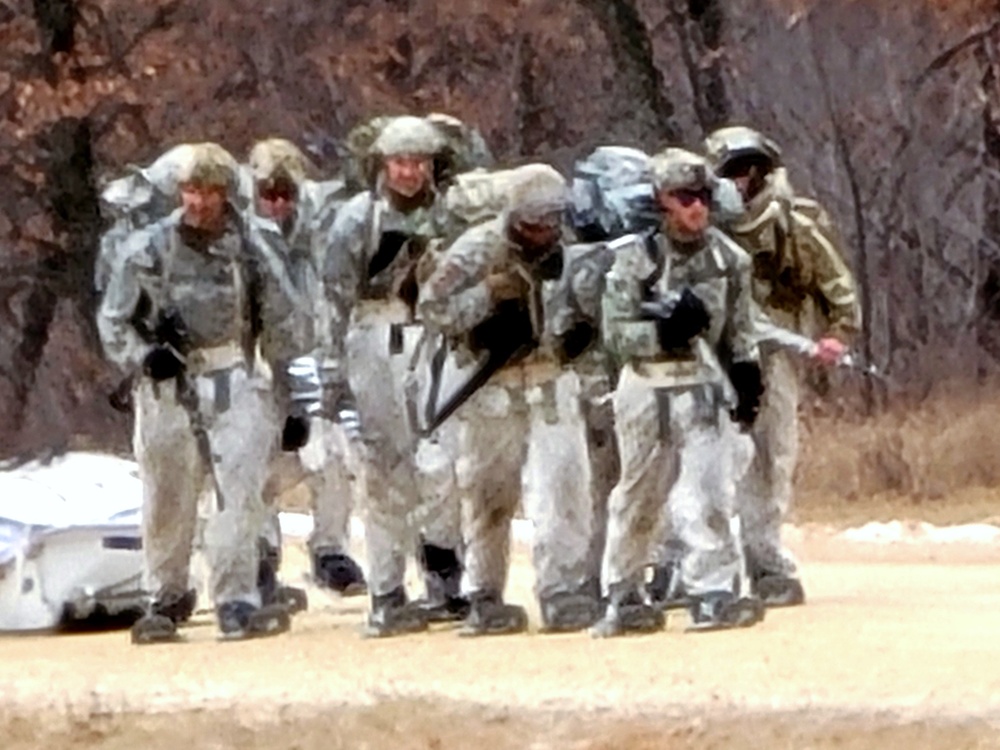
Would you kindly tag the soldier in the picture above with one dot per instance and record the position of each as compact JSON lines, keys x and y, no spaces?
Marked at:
{"x":369,"y":277}
{"x":187,"y":302}
{"x":281,"y":192}
{"x":676,"y":305}
{"x":801,"y":282}
{"x":491,"y":293}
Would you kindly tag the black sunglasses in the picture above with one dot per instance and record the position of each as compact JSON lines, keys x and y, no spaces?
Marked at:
{"x":277,"y":191}
{"x":689,"y":197}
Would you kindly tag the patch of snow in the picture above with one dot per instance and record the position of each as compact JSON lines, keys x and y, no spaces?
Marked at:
{"x":921,"y":532}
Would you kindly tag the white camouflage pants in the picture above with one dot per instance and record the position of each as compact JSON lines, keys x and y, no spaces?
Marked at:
{"x":765,"y":491}
{"x":237,"y":411}
{"x":408,"y":485}
{"x":604,"y":465}
{"x":327,"y":466}
{"x":526,"y":443}
{"x":676,"y":460}
{"x":438,"y":515}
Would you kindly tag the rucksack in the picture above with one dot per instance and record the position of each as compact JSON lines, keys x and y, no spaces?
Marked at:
{"x":128,"y":204}
{"x":612,"y":194}
{"x":480,"y":195}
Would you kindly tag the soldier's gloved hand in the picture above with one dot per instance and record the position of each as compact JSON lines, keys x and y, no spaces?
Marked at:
{"x":688,"y":318}
{"x":295,"y":433}
{"x":162,"y":364}
{"x":749,"y":386}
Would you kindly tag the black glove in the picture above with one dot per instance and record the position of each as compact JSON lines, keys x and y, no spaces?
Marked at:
{"x":295,"y":433}
{"x":121,"y":397}
{"x":162,"y":364}
{"x":576,"y":341}
{"x":749,"y":387}
{"x":688,"y":318}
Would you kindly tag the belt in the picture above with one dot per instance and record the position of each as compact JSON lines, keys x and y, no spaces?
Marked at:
{"x":212,"y":358}
{"x":674,"y":374}
{"x":389,"y":310}
{"x":527,"y":374}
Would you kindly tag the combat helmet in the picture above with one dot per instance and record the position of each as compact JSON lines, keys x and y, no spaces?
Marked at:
{"x":276,"y":159}
{"x":540,"y":191}
{"x":209,"y":164}
{"x":726,"y":145}
{"x":408,"y":135}
{"x":680,"y":169}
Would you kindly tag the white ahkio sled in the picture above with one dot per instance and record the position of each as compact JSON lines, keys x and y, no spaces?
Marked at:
{"x":70,"y":542}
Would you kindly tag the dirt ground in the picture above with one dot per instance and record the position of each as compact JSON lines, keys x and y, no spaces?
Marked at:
{"x":897,"y":647}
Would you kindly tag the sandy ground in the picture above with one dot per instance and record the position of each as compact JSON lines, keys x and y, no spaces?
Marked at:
{"x":898,"y":644}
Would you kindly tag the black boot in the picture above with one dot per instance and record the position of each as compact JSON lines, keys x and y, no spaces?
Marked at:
{"x":267,"y":572}
{"x":443,"y":581}
{"x":338,"y":572}
{"x":779,"y":590}
{"x":159,"y":624}
{"x":391,"y":615}
{"x":569,"y":611}
{"x":666,"y":589}
{"x":627,"y":614}
{"x":722,"y":610}
{"x":153,"y":628}
{"x":272,"y":591}
{"x":178,"y":607}
{"x":488,"y":615}
{"x":773,"y":579}
{"x":241,"y":620}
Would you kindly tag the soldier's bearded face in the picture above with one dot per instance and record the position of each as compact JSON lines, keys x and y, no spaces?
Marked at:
{"x":408,"y":176}
{"x":685,"y":212}
{"x":204,"y":205}
{"x":276,"y":201}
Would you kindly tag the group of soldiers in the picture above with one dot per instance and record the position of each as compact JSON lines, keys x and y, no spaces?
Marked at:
{"x":455,"y":343}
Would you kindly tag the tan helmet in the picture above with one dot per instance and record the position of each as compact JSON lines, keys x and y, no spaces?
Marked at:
{"x":407,"y":135}
{"x":680,"y":169}
{"x":209,"y":164}
{"x":727,"y":144}
{"x":276,"y":159}
{"x":539,"y":191}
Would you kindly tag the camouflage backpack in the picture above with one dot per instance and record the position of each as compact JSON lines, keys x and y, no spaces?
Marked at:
{"x":133,"y":201}
{"x":481,"y":195}
{"x":612,"y":194}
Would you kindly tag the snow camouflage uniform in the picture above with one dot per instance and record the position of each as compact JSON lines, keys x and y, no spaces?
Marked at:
{"x":674,"y":437}
{"x":202,"y":303}
{"x":369,"y":279}
{"x":325,"y":464}
{"x":528,"y":420}
{"x":802,"y":283}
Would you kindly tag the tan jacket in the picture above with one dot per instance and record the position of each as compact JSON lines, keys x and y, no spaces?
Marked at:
{"x":800,"y":277}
